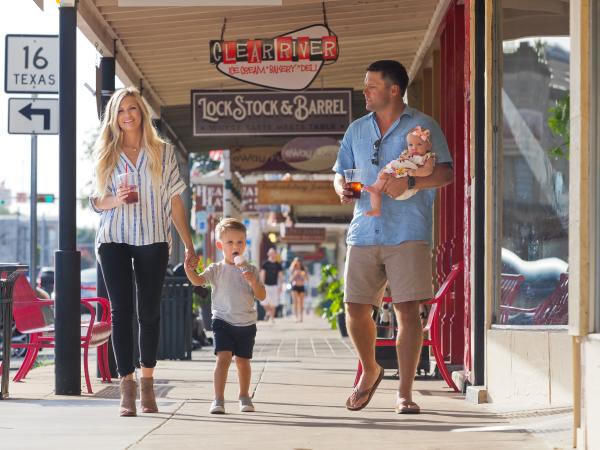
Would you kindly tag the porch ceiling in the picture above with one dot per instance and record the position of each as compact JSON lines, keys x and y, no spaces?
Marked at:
{"x":167,"y":47}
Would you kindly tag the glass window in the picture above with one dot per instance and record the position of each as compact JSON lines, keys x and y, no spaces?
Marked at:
{"x":531,"y":149}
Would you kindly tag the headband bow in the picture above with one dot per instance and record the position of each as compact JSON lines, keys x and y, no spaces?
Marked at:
{"x":423,"y":133}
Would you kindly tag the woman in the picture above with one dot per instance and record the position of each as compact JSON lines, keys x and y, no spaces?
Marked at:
{"x":298,"y":278}
{"x":134,"y":233}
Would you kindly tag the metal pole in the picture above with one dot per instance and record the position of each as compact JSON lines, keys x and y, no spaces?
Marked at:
{"x":33,"y":213}
{"x":67,"y":367}
{"x":228,"y":210}
{"x":478,"y":298}
{"x":106,"y":89}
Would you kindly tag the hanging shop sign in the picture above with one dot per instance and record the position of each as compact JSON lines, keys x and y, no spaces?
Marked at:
{"x":305,"y":154}
{"x":287,"y":62}
{"x":305,"y":192}
{"x":271,"y":113}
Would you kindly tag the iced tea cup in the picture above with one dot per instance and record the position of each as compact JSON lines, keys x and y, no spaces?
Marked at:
{"x":355,"y":181}
{"x":127,"y":179}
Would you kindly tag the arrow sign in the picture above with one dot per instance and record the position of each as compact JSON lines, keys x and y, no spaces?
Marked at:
{"x":33,"y":115}
{"x":28,"y":111}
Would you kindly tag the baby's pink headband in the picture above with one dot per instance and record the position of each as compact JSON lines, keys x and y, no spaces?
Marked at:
{"x":423,"y":133}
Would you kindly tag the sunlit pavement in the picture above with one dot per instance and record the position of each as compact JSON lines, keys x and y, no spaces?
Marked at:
{"x":302,"y":374}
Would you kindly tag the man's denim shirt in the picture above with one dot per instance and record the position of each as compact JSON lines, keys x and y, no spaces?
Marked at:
{"x":400,"y":220}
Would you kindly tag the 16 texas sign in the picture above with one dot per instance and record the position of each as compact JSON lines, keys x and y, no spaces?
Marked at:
{"x":287,"y":62}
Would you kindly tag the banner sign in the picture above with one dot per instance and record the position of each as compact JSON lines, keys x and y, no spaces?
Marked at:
{"x":210,"y":198}
{"x":288,"y":62}
{"x":305,"y":192}
{"x":250,"y":113}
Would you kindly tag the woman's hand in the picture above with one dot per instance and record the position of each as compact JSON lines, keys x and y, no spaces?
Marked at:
{"x":191,"y":259}
{"x":122,"y":192}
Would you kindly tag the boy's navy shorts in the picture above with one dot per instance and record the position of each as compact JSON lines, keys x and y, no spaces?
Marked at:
{"x":237,"y":340}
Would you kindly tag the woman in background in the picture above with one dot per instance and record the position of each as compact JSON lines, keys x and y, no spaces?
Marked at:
{"x":298,"y":279}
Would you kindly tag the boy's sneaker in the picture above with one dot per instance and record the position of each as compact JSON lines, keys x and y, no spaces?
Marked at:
{"x":217,"y":407}
{"x":246,"y":404}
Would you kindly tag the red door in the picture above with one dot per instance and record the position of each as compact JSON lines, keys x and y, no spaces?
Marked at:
{"x":454,"y":204}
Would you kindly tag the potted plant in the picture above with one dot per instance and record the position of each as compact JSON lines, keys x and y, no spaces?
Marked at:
{"x":201,"y":298}
{"x":331,"y":306}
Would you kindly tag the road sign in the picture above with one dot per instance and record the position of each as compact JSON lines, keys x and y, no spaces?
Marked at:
{"x":33,"y":115}
{"x":31,"y":64}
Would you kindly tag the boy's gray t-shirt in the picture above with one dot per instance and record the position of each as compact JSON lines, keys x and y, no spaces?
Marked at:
{"x":232,"y":297}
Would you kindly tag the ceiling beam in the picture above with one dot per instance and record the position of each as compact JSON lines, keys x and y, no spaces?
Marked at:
{"x":106,"y":41}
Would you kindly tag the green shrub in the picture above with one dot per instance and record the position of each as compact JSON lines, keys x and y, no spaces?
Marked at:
{"x":331,"y":288}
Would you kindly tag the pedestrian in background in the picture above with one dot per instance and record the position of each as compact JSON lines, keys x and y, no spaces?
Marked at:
{"x":298,"y":280}
{"x":271,"y":275}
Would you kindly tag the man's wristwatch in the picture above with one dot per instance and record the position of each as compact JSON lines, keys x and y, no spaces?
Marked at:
{"x":411,"y":182}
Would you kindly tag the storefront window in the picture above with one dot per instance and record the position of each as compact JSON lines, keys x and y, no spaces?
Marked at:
{"x":532,"y":162}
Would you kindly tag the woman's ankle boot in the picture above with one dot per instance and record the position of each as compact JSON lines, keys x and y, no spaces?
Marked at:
{"x":128,"y":394}
{"x":148,"y":399}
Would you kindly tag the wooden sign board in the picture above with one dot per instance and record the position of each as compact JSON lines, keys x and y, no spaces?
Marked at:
{"x":313,"y":235}
{"x":306,"y":192}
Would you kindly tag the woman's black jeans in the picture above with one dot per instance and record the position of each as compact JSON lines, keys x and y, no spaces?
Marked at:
{"x":150,"y":266}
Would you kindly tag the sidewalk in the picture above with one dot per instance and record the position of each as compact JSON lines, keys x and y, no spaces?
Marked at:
{"x":302,"y":374}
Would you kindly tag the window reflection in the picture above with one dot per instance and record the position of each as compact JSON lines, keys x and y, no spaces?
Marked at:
{"x":534,"y":170}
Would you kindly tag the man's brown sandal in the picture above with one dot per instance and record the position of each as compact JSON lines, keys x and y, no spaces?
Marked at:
{"x":405,"y":407}
{"x":356,"y":394}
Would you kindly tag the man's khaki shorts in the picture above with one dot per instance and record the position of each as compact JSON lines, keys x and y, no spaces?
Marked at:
{"x":406,"y":267}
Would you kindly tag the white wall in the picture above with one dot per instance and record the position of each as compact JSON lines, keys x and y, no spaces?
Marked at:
{"x":529,"y":367}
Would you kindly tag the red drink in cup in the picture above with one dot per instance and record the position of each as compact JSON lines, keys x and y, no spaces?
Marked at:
{"x":355,"y":182}
{"x":127,"y":179}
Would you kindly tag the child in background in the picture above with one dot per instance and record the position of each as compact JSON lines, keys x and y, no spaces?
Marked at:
{"x":235,"y":284}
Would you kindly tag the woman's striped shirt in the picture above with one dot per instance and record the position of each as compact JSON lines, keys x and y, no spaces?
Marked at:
{"x":149,"y":220}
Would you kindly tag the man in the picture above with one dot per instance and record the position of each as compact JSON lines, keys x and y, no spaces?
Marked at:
{"x":395,"y":247}
{"x":271,"y":275}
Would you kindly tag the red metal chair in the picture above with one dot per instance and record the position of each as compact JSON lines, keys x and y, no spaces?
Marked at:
{"x":431,"y":328}
{"x":554,"y":310}
{"x":510,"y":284}
{"x":35,"y":317}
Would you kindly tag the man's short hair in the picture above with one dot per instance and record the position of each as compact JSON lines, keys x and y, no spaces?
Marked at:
{"x":229,"y":224}
{"x":392,"y":72}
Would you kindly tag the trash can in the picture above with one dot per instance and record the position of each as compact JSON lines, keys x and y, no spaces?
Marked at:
{"x":176,"y":319}
{"x":8,"y":276}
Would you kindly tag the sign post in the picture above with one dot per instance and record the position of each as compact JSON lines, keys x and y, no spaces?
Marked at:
{"x":31,"y":67}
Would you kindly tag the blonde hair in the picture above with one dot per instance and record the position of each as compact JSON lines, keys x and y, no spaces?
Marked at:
{"x":229,"y":224}
{"x":108,"y":145}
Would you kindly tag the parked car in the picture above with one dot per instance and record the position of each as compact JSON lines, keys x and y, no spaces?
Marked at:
{"x":88,"y":282}
{"x":46,"y":280}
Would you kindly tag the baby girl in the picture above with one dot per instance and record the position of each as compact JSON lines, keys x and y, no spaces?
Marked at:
{"x":416,"y":161}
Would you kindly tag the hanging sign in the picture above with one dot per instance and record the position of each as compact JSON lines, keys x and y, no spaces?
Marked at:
{"x":304,"y":154}
{"x":248,"y":113}
{"x":305,"y":192}
{"x":287,"y":62}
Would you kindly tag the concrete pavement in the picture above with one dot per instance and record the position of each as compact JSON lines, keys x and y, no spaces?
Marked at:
{"x":302,"y":374}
